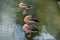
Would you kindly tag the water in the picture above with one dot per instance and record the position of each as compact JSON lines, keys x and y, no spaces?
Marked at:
{"x":18,"y":33}
{"x":7,"y":20}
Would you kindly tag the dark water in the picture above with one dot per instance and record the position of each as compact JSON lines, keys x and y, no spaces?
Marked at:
{"x":11,"y":16}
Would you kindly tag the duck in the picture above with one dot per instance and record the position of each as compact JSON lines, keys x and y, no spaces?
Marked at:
{"x":23,"y":6}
